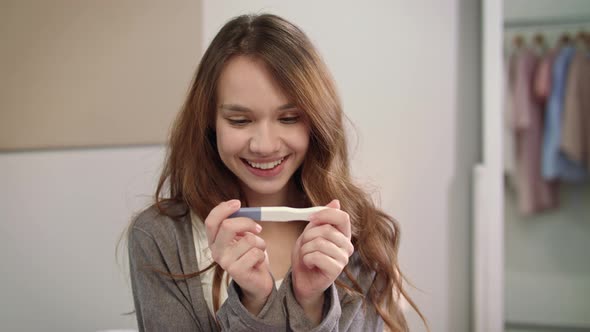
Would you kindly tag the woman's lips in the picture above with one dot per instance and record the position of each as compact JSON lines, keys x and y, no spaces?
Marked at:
{"x":266,"y":172}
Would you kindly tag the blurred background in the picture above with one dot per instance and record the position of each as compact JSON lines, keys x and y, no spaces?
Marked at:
{"x":89,"y":90}
{"x":546,"y":57}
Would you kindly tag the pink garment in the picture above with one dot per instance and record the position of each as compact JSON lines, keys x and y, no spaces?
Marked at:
{"x":543,"y":75}
{"x":534,"y":193}
{"x":585,"y":102}
{"x":575,"y":133}
{"x":509,"y":154}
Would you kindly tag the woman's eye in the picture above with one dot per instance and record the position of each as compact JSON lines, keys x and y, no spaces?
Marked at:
{"x":290,"y":119}
{"x":238,"y":122}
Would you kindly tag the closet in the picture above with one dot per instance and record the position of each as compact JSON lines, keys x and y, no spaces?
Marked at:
{"x":546,"y":161}
{"x":531,"y":231}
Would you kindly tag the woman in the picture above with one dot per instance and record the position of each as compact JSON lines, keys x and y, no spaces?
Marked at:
{"x":262,"y":126}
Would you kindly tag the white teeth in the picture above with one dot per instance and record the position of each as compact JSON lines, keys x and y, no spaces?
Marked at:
{"x":266,"y":165}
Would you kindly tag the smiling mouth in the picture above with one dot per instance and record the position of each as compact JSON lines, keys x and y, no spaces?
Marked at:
{"x":265,"y":166}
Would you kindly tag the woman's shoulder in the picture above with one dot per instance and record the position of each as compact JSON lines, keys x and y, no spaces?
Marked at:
{"x":163,"y":238}
{"x":159,"y":223}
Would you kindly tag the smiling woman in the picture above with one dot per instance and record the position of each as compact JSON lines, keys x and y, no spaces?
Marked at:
{"x":260,"y":136}
{"x":262,"y":126}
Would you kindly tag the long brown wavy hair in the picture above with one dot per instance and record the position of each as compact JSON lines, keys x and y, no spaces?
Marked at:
{"x":195,"y":176}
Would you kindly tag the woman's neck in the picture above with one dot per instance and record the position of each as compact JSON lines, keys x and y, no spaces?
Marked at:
{"x":280,"y":237}
{"x":279,"y":231}
{"x":289,"y":196}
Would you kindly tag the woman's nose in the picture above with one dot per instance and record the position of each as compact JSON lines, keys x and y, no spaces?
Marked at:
{"x":265,"y":140}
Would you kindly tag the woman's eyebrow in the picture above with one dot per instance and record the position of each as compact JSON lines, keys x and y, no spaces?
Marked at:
{"x":239,"y":108}
{"x":234,"y":108}
{"x":287,"y":107}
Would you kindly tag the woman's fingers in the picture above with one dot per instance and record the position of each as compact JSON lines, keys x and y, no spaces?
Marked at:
{"x":326,"y":240}
{"x":236,"y":248}
{"x":335,"y":217}
{"x":335,"y":204}
{"x":230,"y":228}
{"x":330,"y":267}
{"x":230,"y":238}
{"x":329,"y":233}
{"x":327,"y":248}
{"x":246,"y":262}
{"x":247,"y":242}
{"x":217,"y":215}
{"x":232,"y":235}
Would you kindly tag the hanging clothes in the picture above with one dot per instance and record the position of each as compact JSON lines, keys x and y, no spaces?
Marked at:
{"x":575,"y":136}
{"x":585,"y":104}
{"x":534,"y":193}
{"x":509,"y":151}
{"x":555,"y":165}
{"x":543,"y":75}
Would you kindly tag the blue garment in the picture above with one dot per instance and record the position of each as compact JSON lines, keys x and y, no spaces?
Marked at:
{"x":555,"y":165}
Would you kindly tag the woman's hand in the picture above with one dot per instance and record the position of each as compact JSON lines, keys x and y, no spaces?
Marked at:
{"x":241,"y":253}
{"x":319,"y":256}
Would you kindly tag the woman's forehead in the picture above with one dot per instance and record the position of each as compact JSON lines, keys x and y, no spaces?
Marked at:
{"x":247,"y":82}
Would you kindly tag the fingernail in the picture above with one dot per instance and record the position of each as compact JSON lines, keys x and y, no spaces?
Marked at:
{"x":258,"y":228}
{"x":313,"y":218}
{"x":234,"y":203}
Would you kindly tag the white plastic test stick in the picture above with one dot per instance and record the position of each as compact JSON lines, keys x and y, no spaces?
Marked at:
{"x":277,"y":213}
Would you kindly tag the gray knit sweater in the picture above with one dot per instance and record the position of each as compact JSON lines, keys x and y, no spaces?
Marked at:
{"x":166,"y":304}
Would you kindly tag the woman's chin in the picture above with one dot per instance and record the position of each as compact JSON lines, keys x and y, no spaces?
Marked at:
{"x":265,"y":191}
{"x":261,"y":193}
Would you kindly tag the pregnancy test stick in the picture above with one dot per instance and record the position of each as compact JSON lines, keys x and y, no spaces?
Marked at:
{"x":277,"y":213}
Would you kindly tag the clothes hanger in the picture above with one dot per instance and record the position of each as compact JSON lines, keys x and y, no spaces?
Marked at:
{"x":539,"y":42}
{"x":583,"y":39}
{"x":565,"y":39}
{"x":518,"y":41}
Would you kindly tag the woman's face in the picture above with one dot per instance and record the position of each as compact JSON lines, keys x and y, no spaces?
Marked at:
{"x":261,"y":136}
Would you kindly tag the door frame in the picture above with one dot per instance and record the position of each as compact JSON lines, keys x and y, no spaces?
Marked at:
{"x":488,"y":209}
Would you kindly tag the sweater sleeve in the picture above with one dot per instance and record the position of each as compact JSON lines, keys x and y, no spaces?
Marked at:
{"x":281,"y":312}
{"x":233,"y":315}
{"x":296,"y":317}
{"x":160,"y":304}
{"x":341,"y":312}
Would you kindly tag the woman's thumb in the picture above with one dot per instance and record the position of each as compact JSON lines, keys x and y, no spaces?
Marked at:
{"x":335,"y":204}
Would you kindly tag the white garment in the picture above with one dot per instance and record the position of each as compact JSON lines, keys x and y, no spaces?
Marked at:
{"x":204,"y":259}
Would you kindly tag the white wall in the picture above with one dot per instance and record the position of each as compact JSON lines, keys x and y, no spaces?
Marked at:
{"x":408,"y":74}
{"x":541,"y":9}
{"x":61,"y":212}
{"x":61,"y":215}
{"x":519,"y":10}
